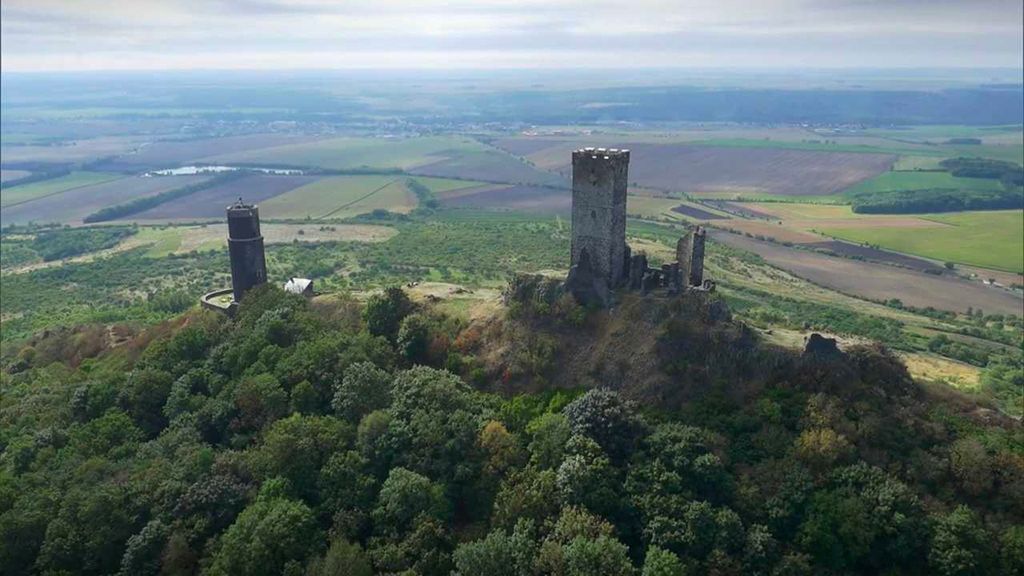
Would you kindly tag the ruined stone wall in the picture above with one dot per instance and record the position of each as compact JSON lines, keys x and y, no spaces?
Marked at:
{"x":245,"y":246}
{"x":697,"y":257}
{"x":599,"y":181}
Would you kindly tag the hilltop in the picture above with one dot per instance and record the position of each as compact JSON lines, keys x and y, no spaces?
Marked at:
{"x":333,"y":436}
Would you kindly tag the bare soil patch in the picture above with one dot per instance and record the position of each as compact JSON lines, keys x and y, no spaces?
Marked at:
{"x":694,"y":212}
{"x":868,"y":253}
{"x":738,"y":209}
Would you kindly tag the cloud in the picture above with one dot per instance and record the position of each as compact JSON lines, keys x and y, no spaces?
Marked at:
{"x":185,"y":34}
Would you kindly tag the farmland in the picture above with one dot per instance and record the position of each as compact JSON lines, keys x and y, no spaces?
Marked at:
{"x":73,"y":205}
{"x":341,"y":197}
{"x":739,"y":170}
{"x":13,"y":196}
{"x":490,"y":166}
{"x":350,"y":152}
{"x":988,"y":239}
{"x":915,"y":180}
{"x":877,"y":282}
{"x":210,"y":203}
{"x":170,"y":153}
{"x":534,"y":199}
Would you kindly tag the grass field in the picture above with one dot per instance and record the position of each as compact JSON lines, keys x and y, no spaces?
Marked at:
{"x":32,"y":191}
{"x":993,"y":239}
{"x":342,"y":197}
{"x":889,"y":181}
{"x":351,"y":152}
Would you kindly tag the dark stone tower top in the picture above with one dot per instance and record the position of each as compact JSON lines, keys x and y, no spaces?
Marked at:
{"x":245,"y":245}
{"x":243,"y":220}
{"x":599,"y":182}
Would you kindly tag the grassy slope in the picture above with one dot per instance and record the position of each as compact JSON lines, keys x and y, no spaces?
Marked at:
{"x":991,"y":239}
{"x":18,"y":194}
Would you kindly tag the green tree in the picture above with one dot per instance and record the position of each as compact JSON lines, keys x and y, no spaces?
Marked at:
{"x":267,"y":536}
{"x":960,"y":545}
{"x":143,"y":550}
{"x":549,"y":434}
{"x":297,"y":447}
{"x":499,"y":554}
{"x":343,"y":558}
{"x":404,"y":497}
{"x":143,"y":397}
{"x":413,"y":340}
{"x":384,"y":312}
{"x":661,"y":562}
{"x":363,"y":389}
{"x":603,"y":415}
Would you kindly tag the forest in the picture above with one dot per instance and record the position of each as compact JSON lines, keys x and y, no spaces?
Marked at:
{"x":340,"y":437}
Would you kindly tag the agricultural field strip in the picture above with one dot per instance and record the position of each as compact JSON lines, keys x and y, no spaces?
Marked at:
{"x":59,"y":191}
{"x":357,"y":200}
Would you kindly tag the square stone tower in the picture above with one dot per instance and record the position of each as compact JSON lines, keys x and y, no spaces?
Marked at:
{"x":599,"y":178}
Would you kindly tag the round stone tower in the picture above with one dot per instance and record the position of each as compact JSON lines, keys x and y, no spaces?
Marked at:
{"x":245,"y":245}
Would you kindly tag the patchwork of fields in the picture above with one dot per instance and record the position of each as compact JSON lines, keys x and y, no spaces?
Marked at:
{"x":702,"y":169}
{"x":72,"y":206}
{"x":13,"y":196}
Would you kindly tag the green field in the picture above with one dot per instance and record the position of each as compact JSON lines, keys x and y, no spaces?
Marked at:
{"x":17,"y":194}
{"x":342,"y":197}
{"x":890,"y":181}
{"x":348,"y":153}
{"x":993,"y":239}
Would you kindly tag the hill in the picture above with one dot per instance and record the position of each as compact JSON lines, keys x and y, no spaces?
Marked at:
{"x":338,"y":437}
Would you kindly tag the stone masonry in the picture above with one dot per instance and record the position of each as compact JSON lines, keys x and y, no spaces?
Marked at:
{"x":601,"y":261}
{"x":245,"y":246}
{"x":599,"y":178}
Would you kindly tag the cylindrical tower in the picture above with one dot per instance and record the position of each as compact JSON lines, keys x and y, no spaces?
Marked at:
{"x":245,"y":245}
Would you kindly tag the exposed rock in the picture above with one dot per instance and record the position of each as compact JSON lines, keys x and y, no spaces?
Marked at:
{"x":818,"y":345}
{"x":587,"y":285}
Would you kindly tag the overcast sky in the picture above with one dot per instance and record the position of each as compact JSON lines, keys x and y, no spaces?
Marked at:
{"x":277,"y":34}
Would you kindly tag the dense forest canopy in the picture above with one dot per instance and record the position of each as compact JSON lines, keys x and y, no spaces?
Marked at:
{"x":334,"y":437}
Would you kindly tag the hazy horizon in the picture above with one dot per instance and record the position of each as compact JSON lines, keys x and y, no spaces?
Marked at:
{"x":775,"y":35}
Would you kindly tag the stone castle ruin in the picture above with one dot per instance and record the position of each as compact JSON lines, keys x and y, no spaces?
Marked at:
{"x":601,"y":260}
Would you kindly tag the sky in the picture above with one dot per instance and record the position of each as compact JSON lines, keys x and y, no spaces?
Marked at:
{"x":60,"y":35}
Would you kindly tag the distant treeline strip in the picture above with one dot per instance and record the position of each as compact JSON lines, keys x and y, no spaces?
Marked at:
{"x":936,"y":200}
{"x":37,"y":177}
{"x":143,"y":204}
{"x":1009,"y":174}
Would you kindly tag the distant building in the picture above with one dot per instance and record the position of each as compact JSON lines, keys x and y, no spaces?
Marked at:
{"x":302,"y":286}
{"x":245,"y":244}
